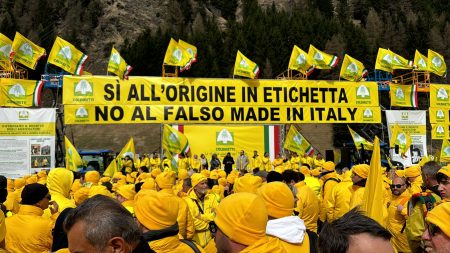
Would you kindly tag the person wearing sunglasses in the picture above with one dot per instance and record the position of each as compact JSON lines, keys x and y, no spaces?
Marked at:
{"x":28,"y":230}
{"x":443,"y":178}
{"x":397,"y":212}
{"x":436,"y":237}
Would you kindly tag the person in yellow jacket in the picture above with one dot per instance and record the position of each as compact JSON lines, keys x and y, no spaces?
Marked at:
{"x":338,"y":202}
{"x":125,"y":195}
{"x":146,"y":161}
{"x":202,"y":207}
{"x":420,"y":204}
{"x":28,"y":230}
{"x":306,"y":159}
{"x":318,"y":161}
{"x":295,"y":162}
{"x":397,"y":214}
{"x":310,"y":181}
{"x":255,"y":161}
{"x":328,"y":179}
{"x":59,"y":183}
{"x":443,"y":178}
{"x":278,"y":164}
{"x":437,"y":237}
{"x":164,"y":183}
{"x":127,"y":164}
{"x":157,"y":213}
{"x":289,"y":230}
{"x":195,"y":163}
{"x":414,"y":178}
{"x":183,"y":162}
{"x":155,"y":161}
{"x":360,"y":173}
{"x":266,"y":164}
{"x":241,"y":223}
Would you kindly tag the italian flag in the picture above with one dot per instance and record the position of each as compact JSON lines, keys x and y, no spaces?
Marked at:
{"x":413,"y":96}
{"x":334,"y":61}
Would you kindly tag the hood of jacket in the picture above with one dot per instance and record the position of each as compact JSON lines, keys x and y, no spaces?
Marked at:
{"x":290,"y":229}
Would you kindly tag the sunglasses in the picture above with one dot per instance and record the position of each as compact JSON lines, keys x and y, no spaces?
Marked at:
{"x":433,"y":229}
{"x":393,"y":186}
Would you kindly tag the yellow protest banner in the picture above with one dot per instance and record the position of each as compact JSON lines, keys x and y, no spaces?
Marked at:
{"x":439,"y":115}
{"x":439,"y":95}
{"x":439,"y":131}
{"x":117,"y":114}
{"x":103,"y":90}
{"x":20,"y":92}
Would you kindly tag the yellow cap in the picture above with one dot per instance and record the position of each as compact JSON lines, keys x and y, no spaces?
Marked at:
{"x":400,"y":173}
{"x":157,"y":210}
{"x":214,"y":175}
{"x":329,"y":166}
{"x":149,"y":184}
{"x":445,"y":170}
{"x":305,"y":171}
{"x":32,"y":179}
{"x":362,"y":170}
{"x":165,"y":180}
{"x":247,"y":183}
{"x":126,"y":191}
{"x":279,"y":199}
{"x":222,"y":182}
{"x":19,"y":183}
{"x":142,"y":193}
{"x":231,"y":178}
{"x":105,"y":179}
{"x":182,"y":174}
{"x":205,"y":173}
{"x":413,"y":171}
{"x":92,"y":177}
{"x":439,"y":216}
{"x":222,"y":174}
{"x":242,"y":217}
{"x":76,"y":185}
{"x":81,"y":195}
{"x":155,"y":172}
{"x":197,"y":178}
{"x":99,"y":190}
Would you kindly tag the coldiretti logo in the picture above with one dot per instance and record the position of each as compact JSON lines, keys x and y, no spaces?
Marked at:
{"x":24,"y":115}
{"x":65,"y":53}
{"x":27,"y":50}
{"x":224,"y":137}
{"x":17,"y":92}
{"x":399,"y":94}
{"x":442,"y":94}
{"x":368,"y":114}
{"x":83,"y":88}
{"x":81,"y":114}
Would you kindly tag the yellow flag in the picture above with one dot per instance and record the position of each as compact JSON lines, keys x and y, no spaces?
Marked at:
{"x":358,"y":140}
{"x":436,"y":63}
{"x":73,"y":159}
{"x":176,"y":55}
{"x":384,"y":60}
{"x":398,"y":62}
{"x":67,"y":57}
{"x":352,"y":69}
{"x":420,"y":61}
{"x":127,"y":150}
{"x":245,"y":67}
{"x":174,"y":141}
{"x":25,"y":52}
{"x":300,"y":61}
{"x":118,"y":66}
{"x":297,"y":143}
{"x":445,"y":151}
{"x":373,"y":201}
{"x":322,"y":60}
{"x":400,"y":138}
{"x":192,"y":51}
{"x":5,"y":51}
{"x":20,"y":92}
{"x":403,"y":95}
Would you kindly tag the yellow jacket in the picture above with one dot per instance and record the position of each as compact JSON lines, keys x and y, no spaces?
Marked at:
{"x":196,"y":164}
{"x":314,"y":184}
{"x":416,"y":187}
{"x":290,"y":247}
{"x":307,"y":206}
{"x":171,"y":244}
{"x":267,"y":244}
{"x":127,"y":165}
{"x":338,"y":202}
{"x":266,"y":164}
{"x":318,"y":163}
{"x":396,"y":220}
{"x":278,"y":165}
{"x":155,"y":163}
{"x":145,"y":162}
{"x":2,"y":228}
{"x":12,"y":203}
{"x":308,"y":160}
{"x":183,"y":163}
{"x":255,"y":162}
{"x":185,"y":220}
{"x":357,"y":196}
{"x":328,"y":182}
{"x":59,"y":183}
{"x":28,"y":231}
{"x":201,"y":221}
{"x":415,"y":224}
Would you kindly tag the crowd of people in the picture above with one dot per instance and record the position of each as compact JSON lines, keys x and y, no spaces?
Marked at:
{"x":247,"y":204}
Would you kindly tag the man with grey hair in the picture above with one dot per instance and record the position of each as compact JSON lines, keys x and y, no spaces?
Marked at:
{"x":420,"y":204}
{"x":101,"y":224}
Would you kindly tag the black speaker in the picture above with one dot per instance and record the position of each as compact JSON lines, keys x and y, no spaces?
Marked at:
{"x":346,"y":157}
{"x":329,"y":155}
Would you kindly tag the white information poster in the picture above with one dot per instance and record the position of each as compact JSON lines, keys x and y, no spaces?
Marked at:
{"x":27,"y":140}
{"x":413,"y":123}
